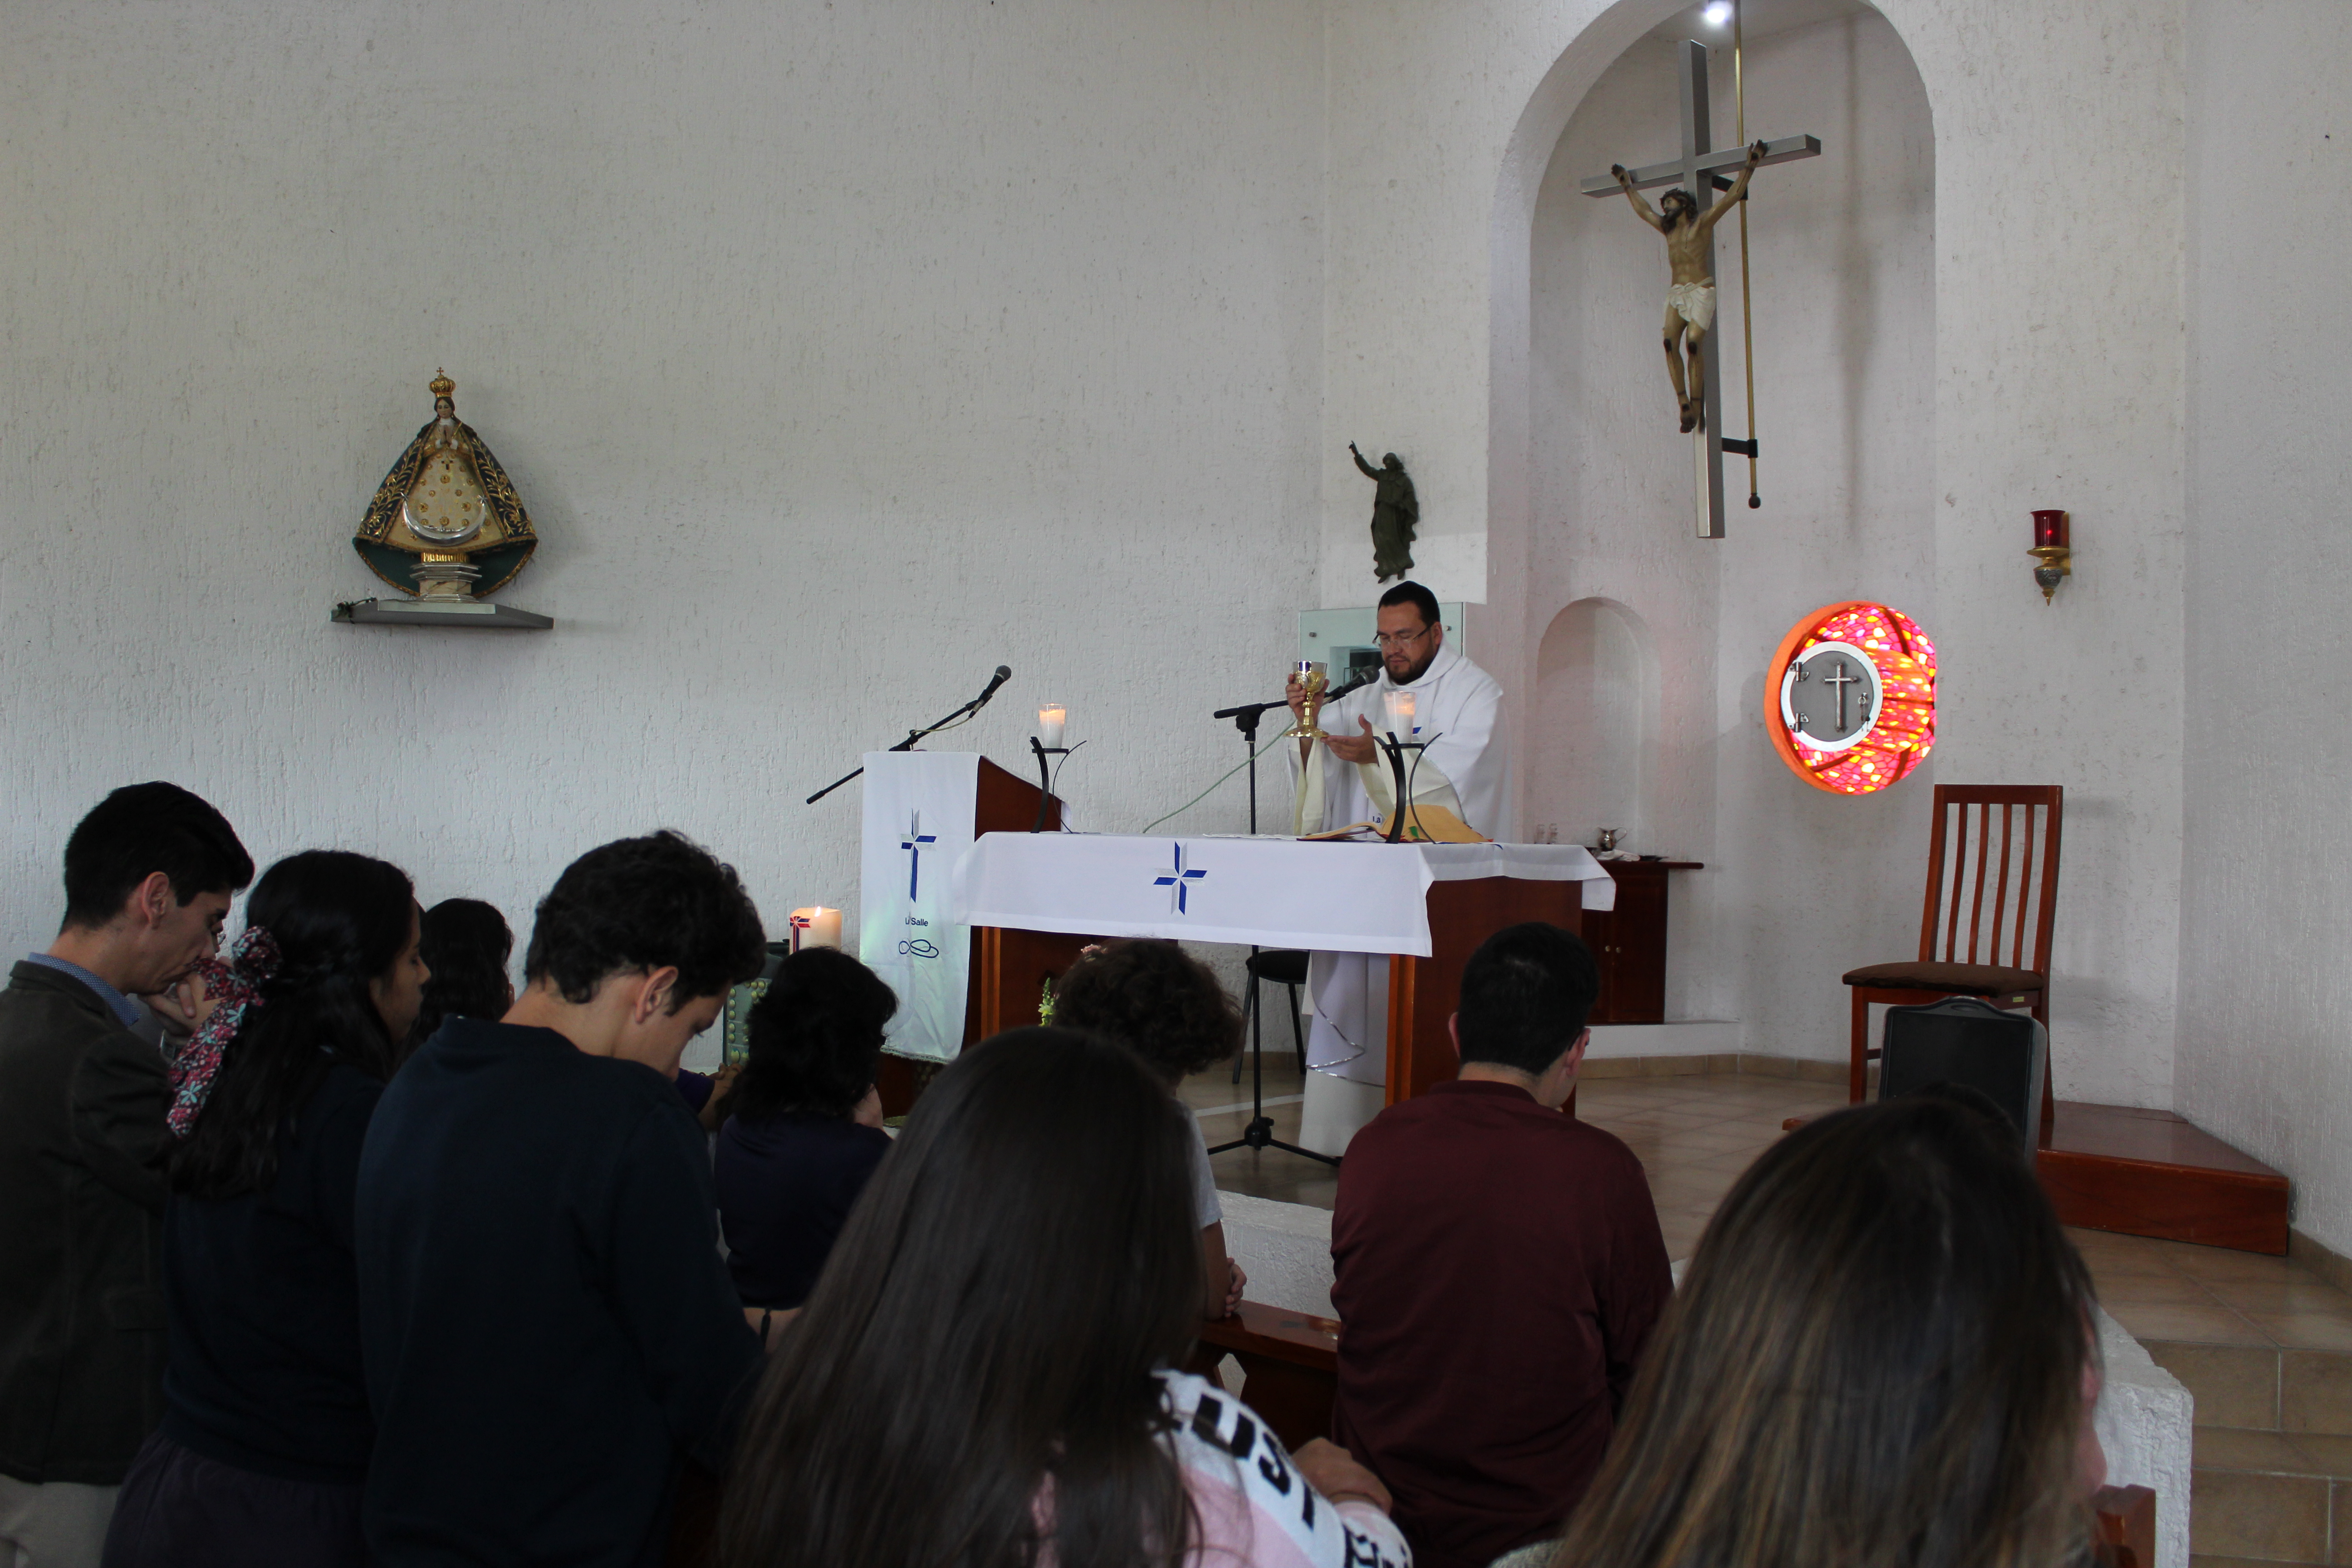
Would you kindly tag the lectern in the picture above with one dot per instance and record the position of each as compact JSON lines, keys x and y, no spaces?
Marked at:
{"x":1008,"y":967}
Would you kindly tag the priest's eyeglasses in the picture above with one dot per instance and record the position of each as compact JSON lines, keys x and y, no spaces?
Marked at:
{"x":1386,"y":641}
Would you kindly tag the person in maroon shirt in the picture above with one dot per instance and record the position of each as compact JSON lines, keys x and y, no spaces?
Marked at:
{"x":1498,"y":1269}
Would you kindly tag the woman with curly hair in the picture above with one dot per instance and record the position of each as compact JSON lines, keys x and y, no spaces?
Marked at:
{"x":1164,"y":1005}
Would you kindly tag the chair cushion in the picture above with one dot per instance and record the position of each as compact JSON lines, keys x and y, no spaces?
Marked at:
{"x":1953,"y":979}
{"x":1283,"y":966}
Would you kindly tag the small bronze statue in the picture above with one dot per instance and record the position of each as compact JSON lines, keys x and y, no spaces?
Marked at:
{"x":1690,"y":297}
{"x":1396,"y":512}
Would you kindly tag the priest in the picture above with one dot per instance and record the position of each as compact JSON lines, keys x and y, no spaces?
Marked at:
{"x":1464,"y":767}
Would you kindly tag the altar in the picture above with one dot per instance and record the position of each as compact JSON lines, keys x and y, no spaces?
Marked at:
{"x":1423,"y":907}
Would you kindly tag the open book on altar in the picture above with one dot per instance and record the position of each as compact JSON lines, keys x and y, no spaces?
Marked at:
{"x":1422,"y":824}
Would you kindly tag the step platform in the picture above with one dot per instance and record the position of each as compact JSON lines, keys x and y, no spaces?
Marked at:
{"x":2151,"y":1173}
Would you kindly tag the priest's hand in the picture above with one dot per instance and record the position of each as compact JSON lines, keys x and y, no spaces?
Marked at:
{"x":1354,"y":748}
{"x":1333,"y":1472}
{"x":1295,"y":695}
{"x":1238,"y":1283}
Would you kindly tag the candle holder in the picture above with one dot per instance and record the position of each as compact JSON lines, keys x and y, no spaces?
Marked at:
{"x":2052,"y":550}
{"x":1045,"y":777}
{"x":1394,"y":749}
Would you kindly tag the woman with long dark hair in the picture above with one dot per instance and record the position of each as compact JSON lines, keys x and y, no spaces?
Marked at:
{"x":982,"y":1378}
{"x":1882,"y":1353}
{"x":805,"y":1130}
{"x":266,"y":1432}
{"x":467,"y":944}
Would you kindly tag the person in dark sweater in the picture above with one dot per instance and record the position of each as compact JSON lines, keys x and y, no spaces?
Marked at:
{"x":266,"y":1432}
{"x":546,"y":1323}
{"x":467,"y":945}
{"x":806,"y":1132}
{"x":1499,"y":1267}
{"x":149,"y":875}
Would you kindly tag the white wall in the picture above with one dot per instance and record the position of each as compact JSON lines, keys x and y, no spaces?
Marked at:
{"x":2041,"y":115}
{"x":1842,"y":271}
{"x":2266,"y":905}
{"x":840,"y":353}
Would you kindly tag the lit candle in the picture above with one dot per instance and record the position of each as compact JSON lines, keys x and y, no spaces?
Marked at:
{"x":816,"y":927}
{"x":2048,"y":528}
{"x":1396,"y":713}
{"x":1050,"y":720}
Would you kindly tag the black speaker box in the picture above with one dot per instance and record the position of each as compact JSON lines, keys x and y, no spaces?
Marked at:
{"x":1962,"y":1040}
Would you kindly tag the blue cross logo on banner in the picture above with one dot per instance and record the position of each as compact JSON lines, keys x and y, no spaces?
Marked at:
{"x":1179,"y":880}
{"x":913,"y":845}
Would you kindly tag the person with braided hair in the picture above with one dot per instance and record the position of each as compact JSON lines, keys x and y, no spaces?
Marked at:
{"x":266,"y":1433}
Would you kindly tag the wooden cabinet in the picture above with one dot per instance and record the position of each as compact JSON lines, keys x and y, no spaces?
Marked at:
{"x":1630,"y":942}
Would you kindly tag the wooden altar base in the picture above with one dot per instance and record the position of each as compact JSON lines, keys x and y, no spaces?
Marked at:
{"x":2150,"y":1173}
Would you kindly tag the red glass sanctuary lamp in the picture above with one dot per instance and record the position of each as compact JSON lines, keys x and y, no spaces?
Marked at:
{"x":2051,"y":551}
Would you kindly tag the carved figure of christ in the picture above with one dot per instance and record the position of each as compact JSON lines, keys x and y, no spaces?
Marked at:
{"x":1700,"y":170}
{"x":1690,"y":297}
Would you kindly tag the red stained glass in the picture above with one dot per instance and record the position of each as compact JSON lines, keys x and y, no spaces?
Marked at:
{"x":1905,"y":727}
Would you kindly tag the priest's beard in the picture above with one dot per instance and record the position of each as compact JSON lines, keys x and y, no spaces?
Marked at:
{"x":1414,"y":670}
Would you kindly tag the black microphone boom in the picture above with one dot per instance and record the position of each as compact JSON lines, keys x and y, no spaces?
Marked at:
{"x":1004,"y":673}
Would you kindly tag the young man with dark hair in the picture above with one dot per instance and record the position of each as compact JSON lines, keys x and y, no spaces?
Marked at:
{"x":1498,"y":1266}
{"x":148,"y":876}
{"x":546,"y":1321}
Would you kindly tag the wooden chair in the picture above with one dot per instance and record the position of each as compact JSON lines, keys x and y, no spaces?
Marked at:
{"x":1962,"y":935}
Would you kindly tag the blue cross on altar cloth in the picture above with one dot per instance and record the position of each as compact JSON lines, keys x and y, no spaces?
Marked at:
{"x":913,"y":845}
{"x":1179,"y":879}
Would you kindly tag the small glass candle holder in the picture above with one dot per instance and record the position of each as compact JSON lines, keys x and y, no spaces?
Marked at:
{"x":1053,"y":719}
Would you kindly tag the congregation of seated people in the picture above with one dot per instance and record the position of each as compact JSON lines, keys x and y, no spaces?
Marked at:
{"x":327,"y":1246}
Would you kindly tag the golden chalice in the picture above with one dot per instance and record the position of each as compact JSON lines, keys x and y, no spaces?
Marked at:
{"x":1315,"y":679}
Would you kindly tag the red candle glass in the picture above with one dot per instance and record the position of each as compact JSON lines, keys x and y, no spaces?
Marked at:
{"x":2048,"y":528}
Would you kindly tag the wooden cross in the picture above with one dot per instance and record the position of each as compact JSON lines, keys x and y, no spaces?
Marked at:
{"x":1697,"y":171}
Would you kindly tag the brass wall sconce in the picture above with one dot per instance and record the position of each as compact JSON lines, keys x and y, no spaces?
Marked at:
{"x":2056,"y":557}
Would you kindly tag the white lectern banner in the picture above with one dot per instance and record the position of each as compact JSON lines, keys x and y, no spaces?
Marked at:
{"x":919,"y":808}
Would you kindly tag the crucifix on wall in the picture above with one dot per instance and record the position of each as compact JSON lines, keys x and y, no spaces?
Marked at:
{"x":1691,"y":301}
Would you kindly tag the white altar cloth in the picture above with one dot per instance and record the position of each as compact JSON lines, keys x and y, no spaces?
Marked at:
{"x":1263,"y":891}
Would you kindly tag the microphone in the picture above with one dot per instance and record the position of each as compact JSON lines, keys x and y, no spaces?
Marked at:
{"x":1364,"y":678}
{"x":1004,"y":673}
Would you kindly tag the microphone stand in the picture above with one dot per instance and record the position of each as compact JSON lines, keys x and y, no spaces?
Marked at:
{"x":1259,"y":1134}
{"x":908,"y":743}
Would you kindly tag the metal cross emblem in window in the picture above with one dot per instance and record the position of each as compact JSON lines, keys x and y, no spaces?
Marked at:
{"x":913,"y":845}
{"x":1179,"y":881}
{"x":1829,"y":696}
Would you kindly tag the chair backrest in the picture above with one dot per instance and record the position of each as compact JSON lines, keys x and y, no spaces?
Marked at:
{"x":2000,"y":840}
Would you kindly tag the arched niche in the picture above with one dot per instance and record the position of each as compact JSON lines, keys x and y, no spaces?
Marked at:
{"x":1598,"y":699}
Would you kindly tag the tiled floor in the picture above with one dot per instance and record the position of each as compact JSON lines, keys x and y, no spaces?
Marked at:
{"x":1694,"y":1134}
{"x":2263,"y":1343}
